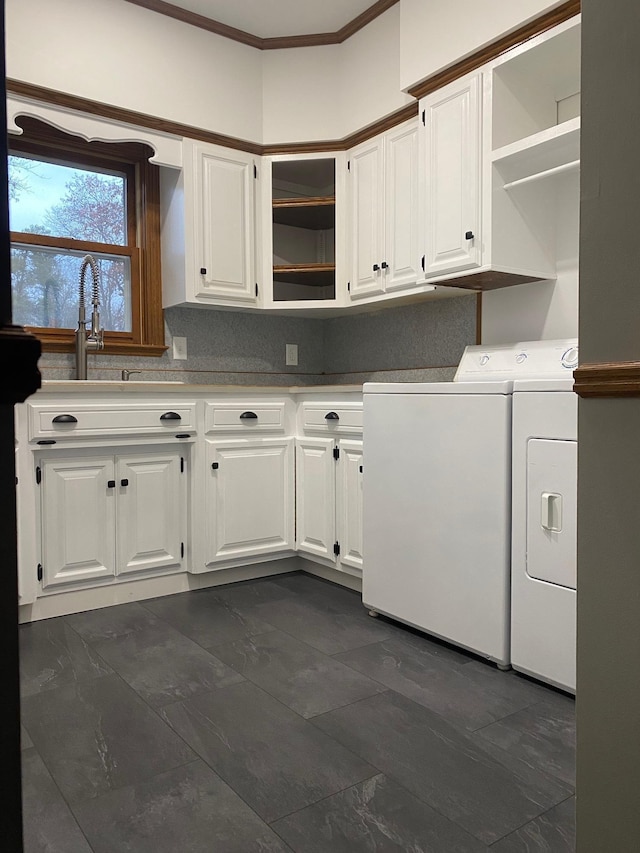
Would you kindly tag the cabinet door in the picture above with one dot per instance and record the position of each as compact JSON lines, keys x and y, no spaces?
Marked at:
{"x":349,"y":500}
{"x":151,"y":511}
{"x":78,"y":519}
{"x":401,"y":255}
{"x":451,"y":165}
{"x":249,"y":500}
{"x":315,"y":496}
{"x":224,"y":224}
{"x":366,"y":219}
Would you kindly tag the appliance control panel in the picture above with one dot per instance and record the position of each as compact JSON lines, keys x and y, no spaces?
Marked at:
{"x":522,"y":360}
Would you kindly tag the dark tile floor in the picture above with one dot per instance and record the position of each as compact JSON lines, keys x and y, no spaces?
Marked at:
{"x":276,"y":715}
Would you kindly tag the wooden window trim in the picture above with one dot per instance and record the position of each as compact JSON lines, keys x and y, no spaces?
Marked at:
{"x":143,"y":234}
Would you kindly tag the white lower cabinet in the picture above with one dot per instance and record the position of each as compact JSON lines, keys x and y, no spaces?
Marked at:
{"x":110,"y":515}
{"x":150,"y":509}
{"x":249,"y":497}
{"x":329,"y":500}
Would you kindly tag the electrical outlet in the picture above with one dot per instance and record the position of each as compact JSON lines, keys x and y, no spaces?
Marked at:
{"x":180,"y":348}
{"x":292,"y":354}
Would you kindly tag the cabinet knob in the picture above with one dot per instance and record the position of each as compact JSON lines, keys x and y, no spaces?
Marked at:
{"x":376,"y":267}
{"x":170,"y":416}
{"x":64,"y":419}
{"x":332,"y":416}
{"x":111,"y":484}
{"x":203,"y":270}
{"x":215,"y":465}
{"x":124,"y":483}
{"x":248,"y":416}
{"x":468,"y":235}
{"x":384,"y":265}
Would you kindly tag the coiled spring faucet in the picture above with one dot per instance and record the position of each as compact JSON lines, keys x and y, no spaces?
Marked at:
{"x":94,"y":339}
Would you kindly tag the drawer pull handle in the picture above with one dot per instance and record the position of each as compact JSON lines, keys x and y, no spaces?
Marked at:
{"x":171,"y":416}
{"x":124,"y":483}
{"x":65,"y":419}
{"x":183,"y":435}
{"x":111,"y":484}
{"x":332,"y":416}
{"x":248,"y":416}
{"x":47,"y":441}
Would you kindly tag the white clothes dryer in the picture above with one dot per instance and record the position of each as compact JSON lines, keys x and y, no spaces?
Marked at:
{"x":544,"y":515}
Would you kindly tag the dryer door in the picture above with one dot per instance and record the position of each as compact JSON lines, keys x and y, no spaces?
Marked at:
{"x":552,"y":483}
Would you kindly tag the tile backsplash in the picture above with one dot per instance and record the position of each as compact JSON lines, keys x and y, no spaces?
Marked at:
{"x":422,"y":341}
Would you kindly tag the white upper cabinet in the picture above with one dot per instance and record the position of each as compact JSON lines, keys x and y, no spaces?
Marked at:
{"x":450,"y":161}
{"x":383,"y":213}
{"x":303,"y":230}
{"x":208,"y":228}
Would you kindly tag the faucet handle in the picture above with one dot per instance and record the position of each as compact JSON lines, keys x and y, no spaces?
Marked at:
{"x":127,"y":373}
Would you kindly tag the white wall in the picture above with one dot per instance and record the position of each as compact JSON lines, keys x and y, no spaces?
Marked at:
{"x":302,"y":94}
{"x":118,"y":53}
{"x":370,"y":85}
{"x":330,"y":92}
{"x":434,"y":35}
{"x":544,"y":310}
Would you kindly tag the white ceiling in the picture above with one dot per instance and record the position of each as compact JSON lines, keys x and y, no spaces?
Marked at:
{"x":269,"y":18}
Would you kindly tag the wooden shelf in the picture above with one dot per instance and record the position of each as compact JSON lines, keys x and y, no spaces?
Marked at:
{"x":543,"y":154}
{"x":312,"y":275}
{"x":313,"y":213}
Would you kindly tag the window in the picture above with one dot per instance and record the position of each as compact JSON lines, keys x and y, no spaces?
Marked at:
{"x":68,"y":198}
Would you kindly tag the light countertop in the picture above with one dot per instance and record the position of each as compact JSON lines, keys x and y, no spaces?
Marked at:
{"x":88,"y":386}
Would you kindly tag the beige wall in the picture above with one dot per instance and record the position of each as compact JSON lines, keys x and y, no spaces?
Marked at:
{"x":608,"y":706}
{"x":435,"y":35}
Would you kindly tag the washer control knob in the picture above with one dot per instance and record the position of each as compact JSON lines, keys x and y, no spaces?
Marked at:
{"x":484,"y":359}
{"x":570,"y":358}
{"x":521,"y":357}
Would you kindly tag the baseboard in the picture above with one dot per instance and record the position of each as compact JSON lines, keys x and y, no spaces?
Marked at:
{"x":139,"y":590}
{"x":333,"y":575}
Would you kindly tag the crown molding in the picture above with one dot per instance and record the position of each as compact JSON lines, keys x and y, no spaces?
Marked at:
{"x":273,"y":43}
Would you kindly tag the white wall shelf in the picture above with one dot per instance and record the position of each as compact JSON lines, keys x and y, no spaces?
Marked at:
{"x":539,"y":154}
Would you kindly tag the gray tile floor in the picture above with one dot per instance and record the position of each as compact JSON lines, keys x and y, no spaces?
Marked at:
{"x":276,"y":715}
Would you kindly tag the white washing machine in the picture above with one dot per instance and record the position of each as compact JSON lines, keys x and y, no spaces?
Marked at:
{"x":544,"y":555}
{"x":437,"y":496}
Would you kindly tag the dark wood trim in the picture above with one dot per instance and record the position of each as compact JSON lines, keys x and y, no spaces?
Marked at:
{"x":111,"y":347}
{"x":404,"y":114}
{"x":25,"y":239}
{"x":275,"y":42}
{"x":307,"y":201}
{"x":204,"y":23}
{"x":364,"y":18}
{"x":380,"y":126}
{"x":492,"y":51}
{"x":608,"y":379}
{"x":151,"y":268}
{"x":488,"y":280}
{"x":478,"y":318}
{"x":125,"y":116}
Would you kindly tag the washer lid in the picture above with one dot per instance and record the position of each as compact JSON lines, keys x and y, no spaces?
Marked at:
{"x":460,"y":388}
{"x":565,"y":385}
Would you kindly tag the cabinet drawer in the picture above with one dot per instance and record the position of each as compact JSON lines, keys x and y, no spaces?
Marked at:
{"x":56,"y":422}
{"x":244,"y":417}
{"x":332,"y":419}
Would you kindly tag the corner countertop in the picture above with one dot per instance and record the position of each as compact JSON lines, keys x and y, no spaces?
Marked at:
{"x":88,"y":386}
